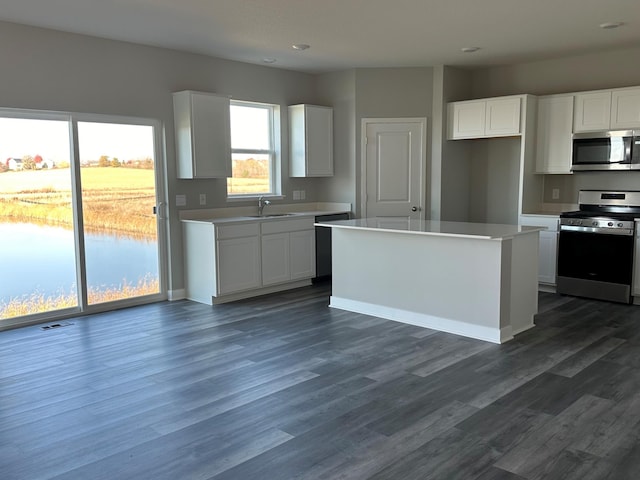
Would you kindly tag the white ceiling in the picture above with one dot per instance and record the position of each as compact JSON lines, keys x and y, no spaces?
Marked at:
{"x":348,"y":33}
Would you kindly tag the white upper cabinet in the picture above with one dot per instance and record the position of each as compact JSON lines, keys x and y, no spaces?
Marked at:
{"x":502,"y":117}
{"x":466,"y":119}
{"x":617,"y":109}
{"x":625,"y":109}
{"x":492,"y":117}
{"x":592,"y":111}
{"x":203,"y":134}
{"x":310,"y":141}
{"x":553,"y":134}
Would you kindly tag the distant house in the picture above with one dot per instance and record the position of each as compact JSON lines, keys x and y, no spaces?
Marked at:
{"x":14,"y":163}
{"x":45,"y":163}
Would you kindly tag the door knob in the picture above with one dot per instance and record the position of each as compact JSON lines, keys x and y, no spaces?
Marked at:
{"x":414,"y":209}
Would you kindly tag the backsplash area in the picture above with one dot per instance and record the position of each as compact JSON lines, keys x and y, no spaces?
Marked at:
{"x":568,"y":186}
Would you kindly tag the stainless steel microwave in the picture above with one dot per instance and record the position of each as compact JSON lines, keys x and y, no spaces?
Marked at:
{"x":611,"y":150}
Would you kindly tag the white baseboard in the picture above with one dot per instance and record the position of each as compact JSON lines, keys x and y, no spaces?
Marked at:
{"x":488,"y":334}
{"x":173,"y":295}
{"x":231,"y":297}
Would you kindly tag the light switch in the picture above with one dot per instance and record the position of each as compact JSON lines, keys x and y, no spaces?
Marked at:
{"x":181,"y":200}
{"x":203,"y":199}
{"x":555,"y":193}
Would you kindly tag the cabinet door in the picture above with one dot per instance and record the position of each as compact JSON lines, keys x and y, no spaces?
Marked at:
{"x":467,"y":119}
{"x":275,"y":258}
{"x":547,"y":257}
{"x":553,"y":134}
{"x":502,"y":117}
{"x":237,"y":264}
{"x":592,"y":111}
{"x":302,"y":254}
{"x":625,"y":109}
{"x":319,"y":132}
{"x":203,"y":135}
{"x":311,"y":141}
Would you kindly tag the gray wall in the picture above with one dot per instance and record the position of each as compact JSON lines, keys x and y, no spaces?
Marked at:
{"x":451,"y":191}
{"x":338,"y":89}
{"x":599,"y":70}
{"x":49,"y":70}
{"x":391,"y":93}
{"x":595,"y":71}
{"x":495,"y":170}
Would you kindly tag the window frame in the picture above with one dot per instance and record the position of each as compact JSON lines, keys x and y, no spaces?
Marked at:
{"x":274,"y":152}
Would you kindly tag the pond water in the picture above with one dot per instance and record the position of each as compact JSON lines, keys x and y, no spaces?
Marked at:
{"x":35,"y":258}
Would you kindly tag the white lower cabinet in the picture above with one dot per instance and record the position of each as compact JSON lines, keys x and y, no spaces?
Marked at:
{"x":288,"y":251}
{"x":232,"y":260}
{"x":237,"y":264}
{"x":547,"y":257}
{"x":548,"y":246}
{"x":302,"y":248}
{"x":275,"y":258}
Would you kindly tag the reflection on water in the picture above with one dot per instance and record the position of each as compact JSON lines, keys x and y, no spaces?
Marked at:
{"x":41,"y":259}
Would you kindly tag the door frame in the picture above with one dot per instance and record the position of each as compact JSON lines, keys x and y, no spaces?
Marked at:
{"x":365,"y":122}
{"x":162,"y":227}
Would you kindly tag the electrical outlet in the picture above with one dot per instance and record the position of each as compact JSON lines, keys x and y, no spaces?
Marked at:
{"x":555,"y":193}
{"x":296,"y":194}
{"x":203,"y":199}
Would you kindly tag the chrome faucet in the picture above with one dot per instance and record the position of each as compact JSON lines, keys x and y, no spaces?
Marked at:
{"x":261,"y":204}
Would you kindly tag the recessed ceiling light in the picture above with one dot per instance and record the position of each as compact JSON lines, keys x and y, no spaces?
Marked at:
{"x":610,"y":25}
{"x":470,"y":49}
{"x":269,"y":60}
{"x":300,"y":46}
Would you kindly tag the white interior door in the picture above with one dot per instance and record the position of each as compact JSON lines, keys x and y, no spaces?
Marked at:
{"x":394,"y":167}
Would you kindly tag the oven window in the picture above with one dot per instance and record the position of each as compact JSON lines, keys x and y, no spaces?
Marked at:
{"x":594,"y":151}
{"x":592,"y":256}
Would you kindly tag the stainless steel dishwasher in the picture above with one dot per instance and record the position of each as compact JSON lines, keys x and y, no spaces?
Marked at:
{"x":323,"y":245}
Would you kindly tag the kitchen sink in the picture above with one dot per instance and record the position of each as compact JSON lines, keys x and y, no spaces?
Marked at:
{"x":271,"y":215}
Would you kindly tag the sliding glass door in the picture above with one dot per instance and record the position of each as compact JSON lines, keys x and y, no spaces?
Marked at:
{"x":38,"y":267}
{"x":118,"y":202}
{"x":78,"y":198}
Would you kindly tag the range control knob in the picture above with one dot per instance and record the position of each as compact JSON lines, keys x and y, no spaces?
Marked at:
{"x":594,"y":223}
{"x":620,"y":224}
{"x":610,"y":224}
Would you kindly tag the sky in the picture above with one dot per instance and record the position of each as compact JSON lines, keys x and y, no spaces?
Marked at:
{"x":50,"y":139}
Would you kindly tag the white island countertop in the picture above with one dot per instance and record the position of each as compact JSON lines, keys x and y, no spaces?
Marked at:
{"x":488,"y":231}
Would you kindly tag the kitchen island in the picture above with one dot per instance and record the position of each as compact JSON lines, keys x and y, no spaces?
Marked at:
{"x":472,"y":279}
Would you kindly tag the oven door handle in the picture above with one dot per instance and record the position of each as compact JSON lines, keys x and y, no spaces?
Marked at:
{"x":608,"y":231}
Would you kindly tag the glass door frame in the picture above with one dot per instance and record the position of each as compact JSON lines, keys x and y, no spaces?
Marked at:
{"x":162,"y":225}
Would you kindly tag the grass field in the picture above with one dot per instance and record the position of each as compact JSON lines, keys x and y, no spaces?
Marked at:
{"x":115,"y":200}
{"x":37,"y":303}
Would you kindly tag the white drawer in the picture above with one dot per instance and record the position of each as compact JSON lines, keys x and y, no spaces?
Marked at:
{"x":237,"y":230}
{"x":293,"y":225}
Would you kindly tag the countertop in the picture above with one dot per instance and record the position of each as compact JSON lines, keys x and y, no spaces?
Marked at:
{"x":486,"y":231}
{"x":271,"y":213}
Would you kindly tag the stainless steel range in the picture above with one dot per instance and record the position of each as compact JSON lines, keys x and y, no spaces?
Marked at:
{"x":596,"y":246}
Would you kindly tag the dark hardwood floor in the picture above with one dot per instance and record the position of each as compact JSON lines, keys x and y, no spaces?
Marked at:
{"x":282,"y":387}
